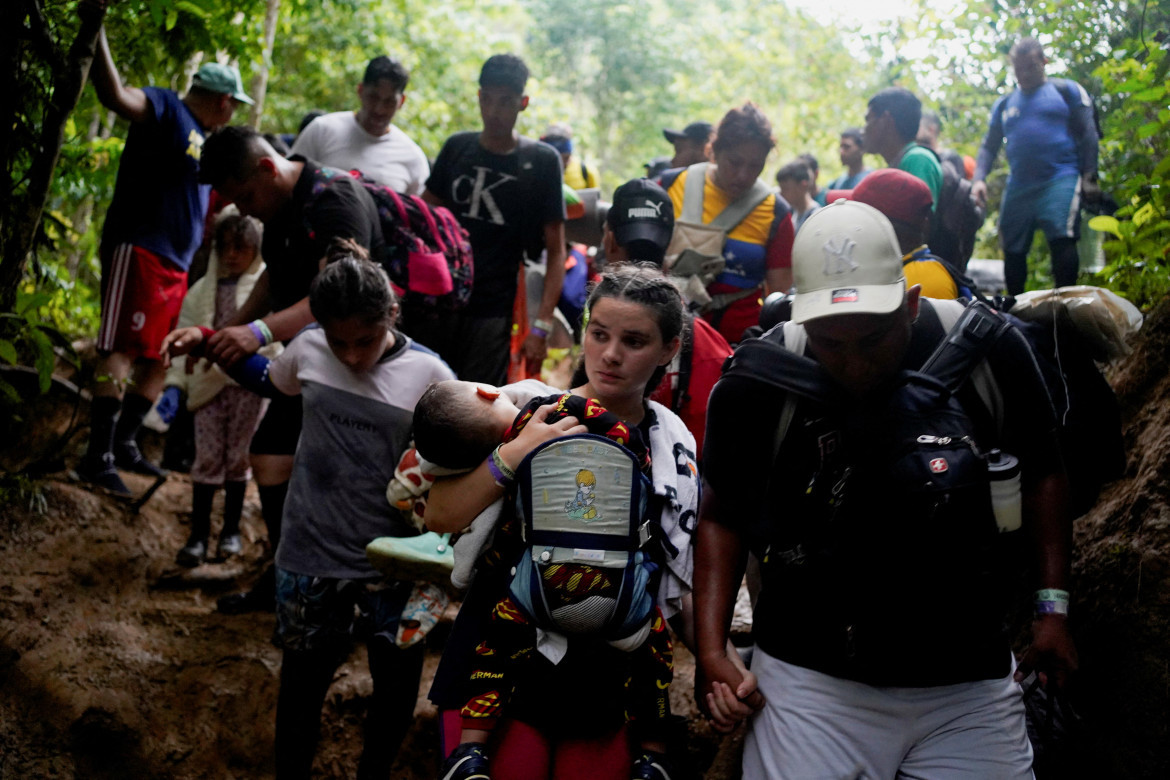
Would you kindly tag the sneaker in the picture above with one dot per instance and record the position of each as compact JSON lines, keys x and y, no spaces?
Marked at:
{"x":423,"y":610}
{"x":427,"y":557}
{"x":230,"y":545}
{"x":128,"y":457}
{"x":651,"y":765}
{"x":103,"y":475}
{"x":194,"y":552}
{"x":466,"y":762}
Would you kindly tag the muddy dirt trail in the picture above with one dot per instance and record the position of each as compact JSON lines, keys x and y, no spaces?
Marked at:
{"x":114,"y":662}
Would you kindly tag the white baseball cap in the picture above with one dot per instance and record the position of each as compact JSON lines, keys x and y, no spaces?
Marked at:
{"x":846,"y":260}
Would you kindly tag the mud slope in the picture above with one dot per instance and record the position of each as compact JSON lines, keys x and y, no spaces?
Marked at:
{"x":115,"y":664}
{"x":1121,"y":579}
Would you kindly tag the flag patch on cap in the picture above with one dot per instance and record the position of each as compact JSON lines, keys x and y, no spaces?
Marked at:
{"x":844,"y":295}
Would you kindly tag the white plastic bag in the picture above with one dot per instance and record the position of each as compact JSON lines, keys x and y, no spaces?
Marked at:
{"x":1103,"y":318}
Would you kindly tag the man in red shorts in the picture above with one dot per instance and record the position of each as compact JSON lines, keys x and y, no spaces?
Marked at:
{"x":152,"y":229}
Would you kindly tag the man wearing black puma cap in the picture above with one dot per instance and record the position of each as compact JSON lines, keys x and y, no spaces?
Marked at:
{"x":639,"y":223}
{"x":638,"y":228}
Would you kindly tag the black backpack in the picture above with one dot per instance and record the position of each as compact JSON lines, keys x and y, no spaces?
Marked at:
{"x":956,"y":220}
{"x":885,"y":515}
{"x":1073,"y":93}
{"x":1088,"y":414}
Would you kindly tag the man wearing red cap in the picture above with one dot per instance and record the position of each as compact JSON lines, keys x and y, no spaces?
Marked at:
{"x":905,"y":201}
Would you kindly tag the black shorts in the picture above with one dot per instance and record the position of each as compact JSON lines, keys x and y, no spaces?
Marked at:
{"x":280,"y":429}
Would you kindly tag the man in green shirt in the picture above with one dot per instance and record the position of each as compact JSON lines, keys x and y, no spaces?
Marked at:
{"x":891,"y":126}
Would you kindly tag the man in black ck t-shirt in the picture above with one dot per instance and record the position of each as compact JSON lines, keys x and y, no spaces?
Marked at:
{"x":506,"y":191}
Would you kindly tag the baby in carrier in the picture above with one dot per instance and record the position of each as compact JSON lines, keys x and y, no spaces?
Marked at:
{"x":571,"y":580}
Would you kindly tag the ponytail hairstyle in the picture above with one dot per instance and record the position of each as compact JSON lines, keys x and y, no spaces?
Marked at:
{"x":644,"y":284}
{"x":352,"y":286}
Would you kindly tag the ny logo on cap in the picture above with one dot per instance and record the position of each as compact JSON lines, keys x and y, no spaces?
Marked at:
{"x":839,"y":256}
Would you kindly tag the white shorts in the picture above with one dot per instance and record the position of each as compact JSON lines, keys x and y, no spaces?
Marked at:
{"x":817,"y":726}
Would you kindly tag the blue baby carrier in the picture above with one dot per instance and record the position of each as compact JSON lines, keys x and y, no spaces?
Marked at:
{"x":584,"y":500}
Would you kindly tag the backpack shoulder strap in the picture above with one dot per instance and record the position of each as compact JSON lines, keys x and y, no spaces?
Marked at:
{"x":971,"y":332}
{"x":768,"y":360}
{"x":1077,"y":97}
{"x":738,"y":210}
{"x":692,"y":210}
{"x":795,"y":337}
{"x":776,"y":358}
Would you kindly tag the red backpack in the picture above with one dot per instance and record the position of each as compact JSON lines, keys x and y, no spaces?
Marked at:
{"x":427,"y":251}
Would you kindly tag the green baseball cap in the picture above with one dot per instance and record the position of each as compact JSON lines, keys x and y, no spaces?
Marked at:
{"x":223,"y":79}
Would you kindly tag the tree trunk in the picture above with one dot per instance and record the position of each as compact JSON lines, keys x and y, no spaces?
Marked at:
{"x":260,"y":80}
{"x":22,"y":222}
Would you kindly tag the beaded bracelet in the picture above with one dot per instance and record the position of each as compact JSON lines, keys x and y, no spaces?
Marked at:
{"x":539,"y":332}
{"x":541,"y":327}
{"x":502,"y":473}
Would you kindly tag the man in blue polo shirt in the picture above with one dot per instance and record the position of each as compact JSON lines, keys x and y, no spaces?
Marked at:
{"x":1051,"y":139}
{"x":153,"y":226}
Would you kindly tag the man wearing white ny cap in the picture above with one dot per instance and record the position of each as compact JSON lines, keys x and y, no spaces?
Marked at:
{"x":867,"y":497}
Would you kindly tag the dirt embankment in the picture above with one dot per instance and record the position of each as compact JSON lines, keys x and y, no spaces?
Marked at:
{"x":1121,"y":580}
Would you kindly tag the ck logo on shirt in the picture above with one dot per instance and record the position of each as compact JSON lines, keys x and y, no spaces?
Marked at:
{"x":476,"y":194}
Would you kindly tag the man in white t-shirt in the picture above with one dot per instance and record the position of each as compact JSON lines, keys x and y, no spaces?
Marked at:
{"x":365,"y":139}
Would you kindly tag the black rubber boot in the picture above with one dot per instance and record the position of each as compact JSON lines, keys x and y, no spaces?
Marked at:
{"x":194,"y":552}
{"x":97,"y":465}
{"x":1066,"y":262}
{"x":233,"y":507}
{"x":126,"y":453}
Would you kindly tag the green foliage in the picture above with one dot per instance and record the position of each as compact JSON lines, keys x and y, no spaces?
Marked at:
{"x":626,"y":72}
{"x":1138,"y":172}
{"x":25,"y":339}
{"x":21,"y":490}
{"x":619,"y":73}
{"x":322,"y":51}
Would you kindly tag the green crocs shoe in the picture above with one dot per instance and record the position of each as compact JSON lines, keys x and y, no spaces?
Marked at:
{"x":427,"y":557}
